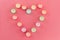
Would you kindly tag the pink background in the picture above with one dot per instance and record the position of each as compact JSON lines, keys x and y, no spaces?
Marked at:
{"x":50,"y":29}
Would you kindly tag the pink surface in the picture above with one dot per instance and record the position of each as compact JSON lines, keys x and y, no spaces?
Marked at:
{"x":50,"y":29}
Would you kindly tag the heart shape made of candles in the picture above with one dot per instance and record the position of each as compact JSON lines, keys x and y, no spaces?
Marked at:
{"x":30,"y":17}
